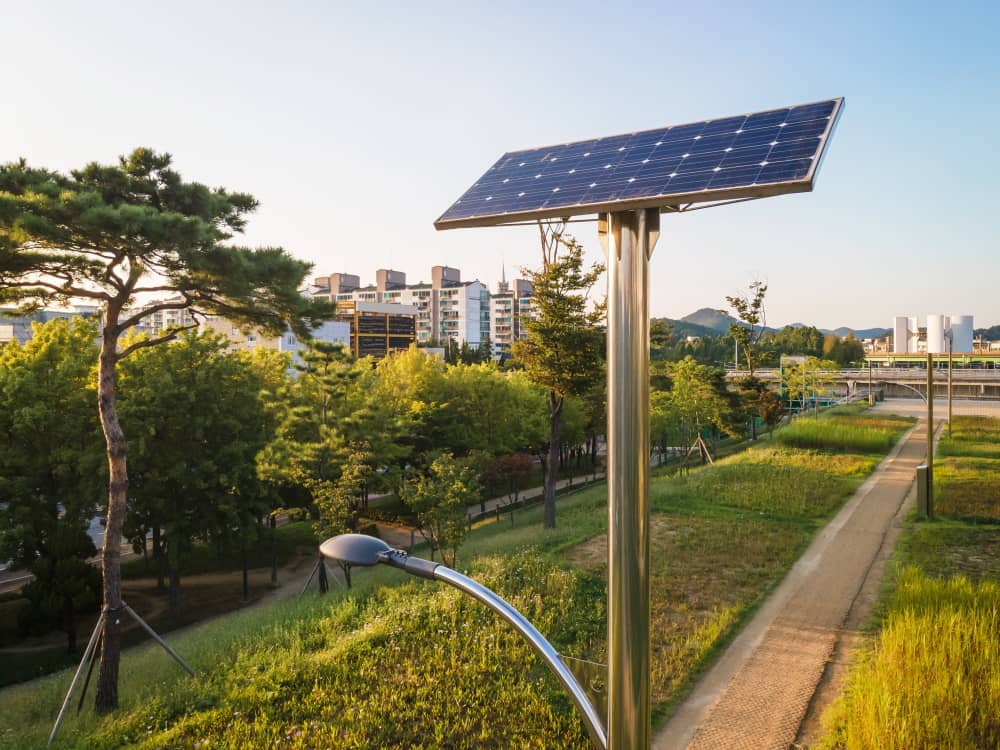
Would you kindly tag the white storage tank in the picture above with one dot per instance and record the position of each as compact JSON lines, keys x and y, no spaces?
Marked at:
{"x":901,"y":334}
{"x":962,"y":333}
{"x":935,"y":334}
{"x":911,"y":345}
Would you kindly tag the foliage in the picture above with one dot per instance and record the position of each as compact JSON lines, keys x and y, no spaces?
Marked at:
{"x":562,"y":351}
{"x":750,"y":311}
{"x":50,"y":470}
{"x":407,"y":665}
{"x":197,"y":423}
{"x":808,"y":379}
{"x":439,"y":499}
{"x":842,"y":434}
{"x":111,"y":234}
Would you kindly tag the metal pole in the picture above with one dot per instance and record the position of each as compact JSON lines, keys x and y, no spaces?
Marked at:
{"x":628,"y":238}
{"x":930,"y":433}
{"x":871,"y":395}
{"x":155,"y":637}
{"x":530,"y":633}
{"x":76,"y":678}
{"x":951,"y":346}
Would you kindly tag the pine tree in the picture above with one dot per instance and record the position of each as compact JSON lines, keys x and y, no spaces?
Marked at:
{"x":113,"y":235}
{"x":563,"y":349}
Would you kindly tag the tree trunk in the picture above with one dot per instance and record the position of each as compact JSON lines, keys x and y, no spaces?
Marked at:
{"x":158,"y":556}
{"x":552,"y":465}
{"x":246,"y":572}
{"x":69,"y":612}
{"x":274,"y":551}
{"x":174,"y":572}
{"x":106,"y":698}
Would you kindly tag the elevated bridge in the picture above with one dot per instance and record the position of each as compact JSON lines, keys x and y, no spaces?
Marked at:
{"x":902,"y":382}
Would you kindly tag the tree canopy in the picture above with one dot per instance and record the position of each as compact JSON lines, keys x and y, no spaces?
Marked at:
{"x":564,"y":345}
{"x":114,"y":235}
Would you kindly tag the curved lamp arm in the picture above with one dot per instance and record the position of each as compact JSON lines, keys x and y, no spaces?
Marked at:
{"x":358,"y":549}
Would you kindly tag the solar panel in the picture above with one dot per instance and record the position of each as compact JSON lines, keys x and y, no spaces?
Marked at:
{"x":747,"y":156}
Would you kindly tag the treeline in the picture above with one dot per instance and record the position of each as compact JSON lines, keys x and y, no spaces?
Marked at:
{"x":791,"y":340}
{"x":220,"y":443}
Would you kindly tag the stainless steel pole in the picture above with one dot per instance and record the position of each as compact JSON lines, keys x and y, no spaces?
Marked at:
{"x":951,"y":346}
{"x":628,"y":238}
{"x":930,"y":434}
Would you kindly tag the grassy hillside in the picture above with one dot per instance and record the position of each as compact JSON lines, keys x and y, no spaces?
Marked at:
{"x":399,"y":663}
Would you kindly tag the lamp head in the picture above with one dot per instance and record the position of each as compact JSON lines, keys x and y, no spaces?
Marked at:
{"x":355,"y":549}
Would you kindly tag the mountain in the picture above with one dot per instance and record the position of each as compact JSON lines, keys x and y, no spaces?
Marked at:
{"x":717,"y":322}
{"x":859,"y":333}
{"x":683,"y":328}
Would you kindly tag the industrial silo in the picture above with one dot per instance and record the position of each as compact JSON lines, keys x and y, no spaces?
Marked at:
{"x":936,"y":325}
{"x":901,"y":334}
{"x":962,"y":332}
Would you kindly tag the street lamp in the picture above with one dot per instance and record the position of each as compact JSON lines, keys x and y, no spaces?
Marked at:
{"x":359,"y":549}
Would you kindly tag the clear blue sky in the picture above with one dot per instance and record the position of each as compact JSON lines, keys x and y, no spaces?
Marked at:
{"x":357,"y":124}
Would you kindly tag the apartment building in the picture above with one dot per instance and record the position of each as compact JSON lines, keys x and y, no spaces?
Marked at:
{"x":510,"y":305}
{"x":15,"y":326}
{"x":446,"y":308}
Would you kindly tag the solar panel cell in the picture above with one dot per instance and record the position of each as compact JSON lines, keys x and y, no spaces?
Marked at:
{"x":746,"y":156}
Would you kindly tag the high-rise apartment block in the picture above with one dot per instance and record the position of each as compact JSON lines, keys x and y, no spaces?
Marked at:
{"x":510,"y":305}
{"x":447,"y":307}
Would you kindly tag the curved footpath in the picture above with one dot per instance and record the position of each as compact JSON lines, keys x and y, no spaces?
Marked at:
{"x":758,"y":693}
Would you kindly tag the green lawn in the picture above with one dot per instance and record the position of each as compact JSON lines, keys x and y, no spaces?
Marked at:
{"x":399,"y":663}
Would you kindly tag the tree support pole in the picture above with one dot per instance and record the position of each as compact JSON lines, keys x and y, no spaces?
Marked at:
{"x":628,"y":238}
{"x":76,"y":678}
{"x":155,"y":637}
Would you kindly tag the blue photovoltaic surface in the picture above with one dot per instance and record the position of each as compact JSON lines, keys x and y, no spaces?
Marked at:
{"x":753,"y":155}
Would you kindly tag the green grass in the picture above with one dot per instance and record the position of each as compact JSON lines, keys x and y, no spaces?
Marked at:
{"x":933,"y":678}
{"x":838,"y":432}
{"x":930,"y":676}
{"x":396,"y":663}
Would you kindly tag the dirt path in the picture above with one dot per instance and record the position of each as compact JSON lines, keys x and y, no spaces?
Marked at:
{"x":758,"y":693}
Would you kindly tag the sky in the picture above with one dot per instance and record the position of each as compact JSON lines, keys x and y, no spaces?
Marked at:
{"x":356,"y":124}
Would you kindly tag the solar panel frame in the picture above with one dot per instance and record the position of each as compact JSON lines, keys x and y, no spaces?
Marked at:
{"x":668,"y":147}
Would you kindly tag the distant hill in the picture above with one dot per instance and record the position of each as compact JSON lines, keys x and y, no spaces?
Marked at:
{"x":683,"y":328}
{"x":713,"y":320}
{"x":714,"y":323}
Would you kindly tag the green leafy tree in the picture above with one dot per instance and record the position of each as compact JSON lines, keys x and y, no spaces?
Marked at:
{"x":339,"y":501}
{"x":439,"y":498}
{"x":50,"y":470}
{"x":749,"y":309}
{"x":563,"y":349}
{"x":197,"y":423}
{"x":113,"y":235}
{"x":809,"y":378}
{"x":701,"y":399}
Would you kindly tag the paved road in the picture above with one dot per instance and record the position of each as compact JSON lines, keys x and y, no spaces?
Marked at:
{"x":757,"y":694}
